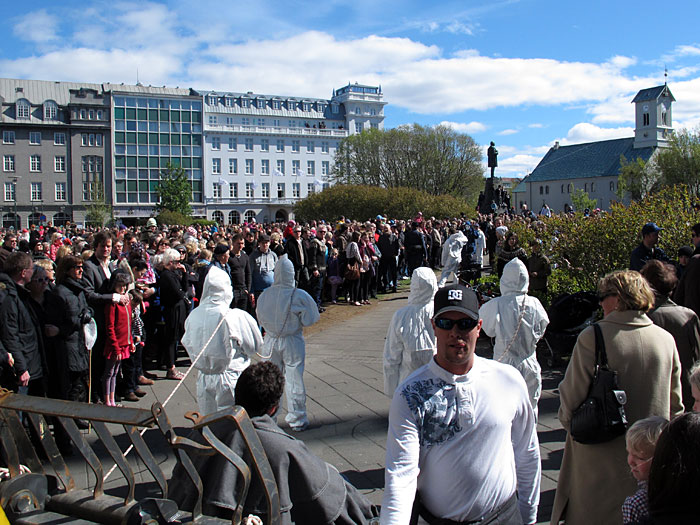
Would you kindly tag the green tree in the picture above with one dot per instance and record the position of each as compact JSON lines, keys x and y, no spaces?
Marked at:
{"x":680,"y":162}
{"x":637,"y":179}
{"x":98,"y":212}
{"x":174,"y":190}
{"x":581,"y":200}
{"x":436,"y":160}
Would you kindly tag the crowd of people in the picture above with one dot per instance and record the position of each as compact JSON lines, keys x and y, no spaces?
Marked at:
{"x":94,"y":315}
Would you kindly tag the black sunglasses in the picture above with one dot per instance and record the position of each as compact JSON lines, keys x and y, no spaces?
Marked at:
{"x":465,"y":325}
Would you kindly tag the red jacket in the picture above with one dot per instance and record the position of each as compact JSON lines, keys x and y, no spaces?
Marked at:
{"x":118,"y":329}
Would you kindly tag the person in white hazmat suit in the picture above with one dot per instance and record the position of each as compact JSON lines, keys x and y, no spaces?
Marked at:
{"x":228,"y":353}
{"x":283,"y":311}
{"x":452,"y":256}
{"x":410,"y":340}
{"x":517,"y":321}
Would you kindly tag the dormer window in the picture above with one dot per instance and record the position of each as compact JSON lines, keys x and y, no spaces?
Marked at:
{"x":50,"y":110}
{"x":229,"y":102}
{"x":335,"y":108}
{"x":261,"y":103}
{"x":307,"y":106}
{"x":245,"y":103}
{"x":320,"y":107}
{"x":23,"y":109}
{"x":275,"y":104}
{"x":664,"y":117}
{"x":291,"y":105}
{"x":212,"y":100}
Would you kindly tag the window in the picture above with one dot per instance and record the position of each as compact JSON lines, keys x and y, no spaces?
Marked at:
{"x":280,"y":167}
{"x":233,"y":190}
{"x":592,"y":187}
{"x":358,"y":127}
{"x":249,"y":191}
{"x":216,"y":190}
{"x":59,"y":139}
{"x":216,"y":143}
{"x":292,"y":123}
{"x":8,"y":162}
{"x":91,"y":139}
{"x":645,"y":119}
{"x":280,"y":190}
{"x":296,"y":168}
{"x":98,"y":139}
{"x":35,"y":137}
{"x":212,"y":120}
{"x":229,"y":121}
{"x":265,"y":167}
{"x":91,"y":114}
{"x":374,"y":125}
{"x":232,"y":143}
{"x":10,"y":191}
{"x":276,"y":122}
{"x":585,"y":187}
{"x":541,"y":190}
{"x":245,"y":103}
{"x":612,"y":186}
{"x":275,"y":104}
{"x":249,"y":144}
{"x":50,"y":110}
{"x":324,"y":147}
{"x":280,"y":145}
{"x":546,"y":190}
{"x":59,"y":164}
{"x":35,"y":191}
{"x":664,"y":118}
{"x":229,"y":101}
{"x":8,"y":137}
{"x":562,"y":188}
{"x":35,"y":163}
{"x":249,"y":166}
{"x":310,"y":147}
{"x":265,"y":145}
{"x":261,"y":122}
{"x":266,"y":190}
{"x":291,"y":105}
{"x":295,"y":146}
{"x":249,"y":215}
{"x":212,"y":100}
{"x":373,"y":111}
{"x":296,"y":190}
{"x":100,"y":114}
{"x":569,"y":188}
{"x":358,"y":111}
{"x":233,"y":166}
{"x":22,"y":109}
{"x":334,"y":108}
{"x":92,"y":177}
{"x":234,"y":217}
{"x":83,"y":114}
{"x":216,"y":166}
{"x":217,"y":216}
{"x":60,"y":192}
{"x":311,"y":168}
{"x":309,"y":188}
{"x":245,"y":121}
{"x":325,"y":167}
{"x":307,"y":106}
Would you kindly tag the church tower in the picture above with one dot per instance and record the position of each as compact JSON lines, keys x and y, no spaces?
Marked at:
{"x":653,"y":122}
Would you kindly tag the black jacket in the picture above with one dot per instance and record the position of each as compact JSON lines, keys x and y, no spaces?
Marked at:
{"x":96,"y":286}
{"x":388,"y":245}
{"x":67,"y":308}
{"x":294,"y":254}
{"x":18,"y":329}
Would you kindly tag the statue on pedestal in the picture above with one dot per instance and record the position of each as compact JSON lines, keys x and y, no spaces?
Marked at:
{"x":492,"y":158}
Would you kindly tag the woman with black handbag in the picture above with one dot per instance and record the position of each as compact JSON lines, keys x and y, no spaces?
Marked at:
{"x":594,"y":478}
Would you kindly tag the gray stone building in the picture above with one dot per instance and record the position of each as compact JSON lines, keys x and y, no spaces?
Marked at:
{"x":594,"y":166}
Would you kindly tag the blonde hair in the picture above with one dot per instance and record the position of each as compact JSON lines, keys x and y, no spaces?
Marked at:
{"x":694,"y":375}
{"x":63,"y":251}
{"x":632,"y":290}
{"x":643,"y":434}
{"x":45,"y":264}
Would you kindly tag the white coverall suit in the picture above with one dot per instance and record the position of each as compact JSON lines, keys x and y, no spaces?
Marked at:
{"x":452,"y":256}
{"x":500,"y":319}
{"x":283,"y":311}
{"x":227,"y":354}
{"x":410,"y":340}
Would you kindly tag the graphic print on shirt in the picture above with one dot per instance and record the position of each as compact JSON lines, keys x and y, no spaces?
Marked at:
{"x":434,"y":405}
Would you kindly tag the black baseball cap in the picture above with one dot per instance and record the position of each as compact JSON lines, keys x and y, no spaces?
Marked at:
{"x":456,"y":298}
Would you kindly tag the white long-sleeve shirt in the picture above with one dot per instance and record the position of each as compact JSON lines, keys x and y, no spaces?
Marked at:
{"x":466,"y":442}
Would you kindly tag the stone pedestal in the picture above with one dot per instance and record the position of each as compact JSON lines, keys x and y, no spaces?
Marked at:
{"x":489,"y":196}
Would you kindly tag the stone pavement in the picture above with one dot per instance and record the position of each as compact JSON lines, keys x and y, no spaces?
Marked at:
{"x":347,"y":407}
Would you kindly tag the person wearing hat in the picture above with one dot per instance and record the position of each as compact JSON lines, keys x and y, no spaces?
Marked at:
{"x":647,"y":250}
{"x":462,"y":438}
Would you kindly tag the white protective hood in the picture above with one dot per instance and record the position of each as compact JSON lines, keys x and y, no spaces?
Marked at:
{"x":515,"y":279}
{"x":453,"y":247}
{"x":282,"y":301}
{"x":237,"y":337}
{"x":410,"y":340}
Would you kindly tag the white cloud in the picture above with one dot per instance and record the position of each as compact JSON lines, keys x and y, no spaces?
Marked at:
{"x":508,"y":132}
{"x":37,"y":26}
{"x":535,"y":125}
{"x":465,"y":127}
{"x":586,"y":132}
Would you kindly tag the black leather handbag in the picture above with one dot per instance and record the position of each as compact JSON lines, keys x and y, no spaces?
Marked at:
{"x":601,"y":417}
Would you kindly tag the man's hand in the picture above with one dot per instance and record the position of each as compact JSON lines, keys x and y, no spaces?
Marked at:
{"x":124,"y":299}
{"x":24,"y":379}
{"x":316,"y":273}
{"x":10,"y":359}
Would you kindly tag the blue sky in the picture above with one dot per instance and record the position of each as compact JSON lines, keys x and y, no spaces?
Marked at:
{"x":523,"y":73}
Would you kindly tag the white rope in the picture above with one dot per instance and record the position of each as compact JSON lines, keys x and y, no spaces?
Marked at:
{"x":179,"y":383}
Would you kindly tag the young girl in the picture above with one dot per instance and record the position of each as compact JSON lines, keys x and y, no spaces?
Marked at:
{"x":119,"y":342}
{"x":641,"y":441}
{"x":334,"y":276}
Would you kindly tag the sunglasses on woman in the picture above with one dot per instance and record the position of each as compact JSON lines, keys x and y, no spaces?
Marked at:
{"x":464,"y":325}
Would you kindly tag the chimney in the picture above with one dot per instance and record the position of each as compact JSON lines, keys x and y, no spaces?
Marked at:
{"x":556,"y":145}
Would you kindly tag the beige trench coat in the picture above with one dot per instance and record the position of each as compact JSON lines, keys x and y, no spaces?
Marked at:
{"x":594,"y":479}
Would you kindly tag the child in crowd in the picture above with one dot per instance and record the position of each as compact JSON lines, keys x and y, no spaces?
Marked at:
{"x":694,"y":379}
{"x":138,"y":335}
{"x":334,"y":276}
{"x":119,"y":342}
{"x":641,"y":441}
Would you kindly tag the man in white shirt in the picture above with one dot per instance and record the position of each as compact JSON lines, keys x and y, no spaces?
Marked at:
{"x":462,"y":437}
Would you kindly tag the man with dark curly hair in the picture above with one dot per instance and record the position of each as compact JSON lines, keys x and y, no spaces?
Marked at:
{"x":310,"y":490}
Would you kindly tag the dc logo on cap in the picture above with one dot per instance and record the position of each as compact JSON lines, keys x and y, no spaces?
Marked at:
{"x":454,"y":295}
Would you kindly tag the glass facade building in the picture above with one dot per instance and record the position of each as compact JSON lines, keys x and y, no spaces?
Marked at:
{"x":150,"y":132}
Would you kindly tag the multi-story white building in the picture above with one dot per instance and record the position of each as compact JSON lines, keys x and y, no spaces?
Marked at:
{"x":262,"y":153}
